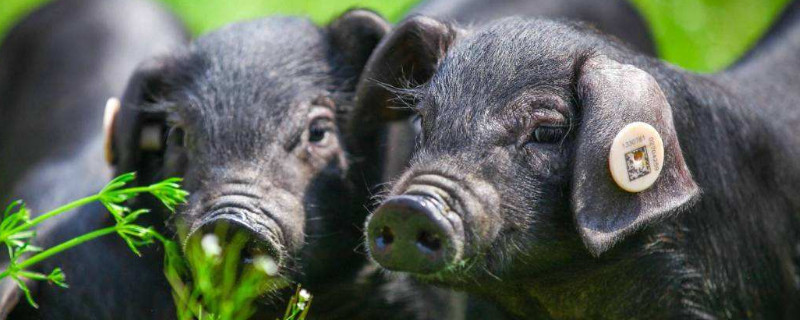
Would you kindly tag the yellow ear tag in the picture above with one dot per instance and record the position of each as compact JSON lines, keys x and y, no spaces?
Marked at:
{"x":636,"y":157}
{"x":112,"y":108}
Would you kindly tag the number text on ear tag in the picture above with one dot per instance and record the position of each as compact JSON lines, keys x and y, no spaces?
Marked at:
{"x":636,"y":157}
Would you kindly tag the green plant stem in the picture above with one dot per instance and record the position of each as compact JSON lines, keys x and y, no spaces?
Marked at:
{"x":50,"y":214}
{"x":33,"y":275}
{"x":136,"y":190}
{"x":61,"y":247}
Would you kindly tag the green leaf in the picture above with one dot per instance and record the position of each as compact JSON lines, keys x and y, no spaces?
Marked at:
{"x":22,"y":235}
{"x":169,"y":196}
{"x":11,"y":207}
{"x":119,"y":182}
{"x":17,"y":229}
{"x":58,"y":278}
{"x":26,"y":291}
{"x":131,"y":217}
{"x":27,"y":247}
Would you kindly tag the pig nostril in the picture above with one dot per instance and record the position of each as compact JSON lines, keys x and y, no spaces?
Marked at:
{"x":251,"y":251}
{"x":429,"y":242}
{"x":385,"y":238}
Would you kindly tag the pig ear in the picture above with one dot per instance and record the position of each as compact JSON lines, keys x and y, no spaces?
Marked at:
{"x":618,"y":98}
{"x":11,"y":294}
{"x":408,"y":55}
{"x":356,"y":33}
{"x":138,"y":132}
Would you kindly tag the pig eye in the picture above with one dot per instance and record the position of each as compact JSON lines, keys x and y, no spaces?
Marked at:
{"x":549,"y":133}
{"x":319,"y":130}
{"x":176,"y":137}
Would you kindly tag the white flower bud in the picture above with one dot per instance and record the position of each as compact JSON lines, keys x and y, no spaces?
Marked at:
{"x":210,"y":245}
{"x":266,"y":264}
{"x":304,"y":295}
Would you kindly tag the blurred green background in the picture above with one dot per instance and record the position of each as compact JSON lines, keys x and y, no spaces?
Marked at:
{"x":701,"y":35}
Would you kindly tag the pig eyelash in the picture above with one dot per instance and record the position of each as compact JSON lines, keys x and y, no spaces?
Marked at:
{"x":323,"y":126}
{"x":296,"y":138}
{"x":546,"y":134}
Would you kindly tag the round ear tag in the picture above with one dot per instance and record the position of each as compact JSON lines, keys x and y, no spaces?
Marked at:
{"x":112,"y":107}
{"x":636,"y":157}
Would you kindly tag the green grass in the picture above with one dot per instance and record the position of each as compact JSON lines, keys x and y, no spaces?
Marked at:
{"x":205,"y":15}
{"x":700,"y":35}
{"x":707,"y":35}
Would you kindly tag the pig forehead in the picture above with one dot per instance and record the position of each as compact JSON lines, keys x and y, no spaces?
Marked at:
{"x":513,"y":51}
{"x":264,"y":69}
{"x":265,"y":54}
{"x":237,"y":117}
{"x":262,"y":37}
{"x":487,"y":69}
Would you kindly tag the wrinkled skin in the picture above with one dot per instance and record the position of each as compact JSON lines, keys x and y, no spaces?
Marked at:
{"x":249,"y":116}
{"x":511,"y":175}
{"x":57,"y":68}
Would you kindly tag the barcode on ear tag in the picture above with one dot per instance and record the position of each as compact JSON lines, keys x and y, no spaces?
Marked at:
{"x":636,"y":157}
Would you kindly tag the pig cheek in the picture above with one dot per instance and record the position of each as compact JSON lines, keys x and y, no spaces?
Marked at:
{"x":487,"y":222}
{"x":332,"y":162}
{"x":187,"y":216}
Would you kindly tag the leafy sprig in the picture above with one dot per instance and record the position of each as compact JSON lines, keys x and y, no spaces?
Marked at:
{"x":216,"y":287}
{"x":17,"y":228}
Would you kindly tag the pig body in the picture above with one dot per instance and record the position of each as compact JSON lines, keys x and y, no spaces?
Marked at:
{"x":509,"y":195}
{"x":57,"y":68}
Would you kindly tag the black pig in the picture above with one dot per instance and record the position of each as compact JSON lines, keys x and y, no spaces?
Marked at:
{"x":248,"y":116}
{"x":510,"y":195}
{"x":57,"y":68}
{"x":383,"y":155}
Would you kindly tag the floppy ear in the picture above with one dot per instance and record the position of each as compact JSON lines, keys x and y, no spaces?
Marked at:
{"x":409,"y":54}
{"x":11,"y":294}
{"x":613,"y":95}
{"x":138,"y":134}
{"x":356,"y":33}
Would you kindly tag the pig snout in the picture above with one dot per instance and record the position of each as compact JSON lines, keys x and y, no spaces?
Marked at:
{"x":230,"y":226}
{"x":415,"y":233}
